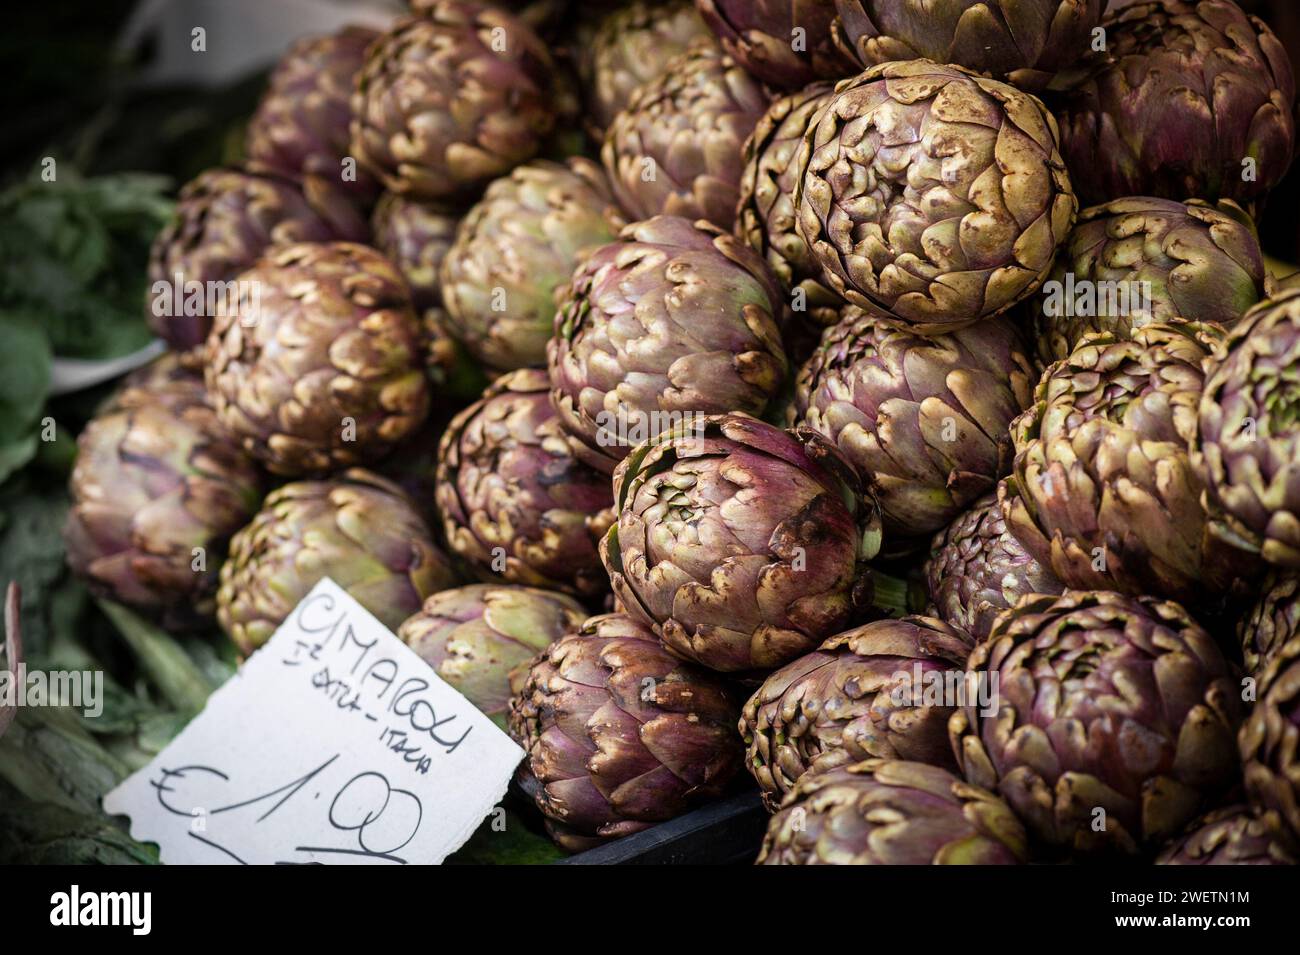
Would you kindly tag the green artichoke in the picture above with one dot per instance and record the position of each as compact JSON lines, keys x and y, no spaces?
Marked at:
{"x":1189,"y":100}
{"x":933,"y":193}
{"x":415,"y":237}
{"x":322,"y":364}
{"x":924,"y":420}
{"x":676,"y":149}
{"x":1270,"y":743}
{"x":875,"y":691}
{"x":671,"y":322}
{"x":1135,"y":261}
{"x":786,"y":43}
{"x":977,"y":569}
{"x":631,"y":46}
{"x":157,"y":491}
{"x":620,"y":734}
{"x":225,"y":220}
{"x":516,"y":504}
{"x":892,"y":812}
{"x":1113,"y":719}
{"x":1103,"y":492}
{"x":1233,"y":835}
{"x":1272,"y":621}
{"x":742,"y":545}
{"x":300,"y":128}
{"x":765,"y":217}
{"x":449,"y":100}
{"x":514,"y":249}
{"x":1246,"y":445}
{"x":1025,"y":42}
{"x":357,"y":529}
{"x":482,"y":638}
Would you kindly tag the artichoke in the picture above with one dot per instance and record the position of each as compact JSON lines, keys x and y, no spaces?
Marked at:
{"x":1135,"y":261}
{"x":892,"y":812}
{"x":300,"y":128}
{"x":452,"y":99}
{"x":673,"y":321}
{"x":619,"y":734}
{"x":631,"y":46}
{"x":1024,"y":42}
{"x":225,"y":220}
{"x":875,"y":691}
{"x":481,"y":638}
{"x":1113,"y":719}
{"x":516,"y":505}
{"x":1246,"y":445}
{"x":924,"y":420}
{"x":676,"y":148}
{"x":520,"y":243}
{"x":933,"y":193}
{"x":1272,"y":621}
{"x":1270,"y":743}
{"x":741,"y":544}
{"x":1190,"y":100}
{"x":1103,"y":492}
{"x":357,"y":529}
{"x":323,"y":366}
{"x":1233,"y":835}
{"x":157,"y":491}
{"x":766,"y":216}
{"x":977,"y":569}
{"x":786,"y":43}
{"x":415,"y":237}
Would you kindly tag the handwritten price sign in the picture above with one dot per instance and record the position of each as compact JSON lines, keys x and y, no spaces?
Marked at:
{"x":334,"y":743}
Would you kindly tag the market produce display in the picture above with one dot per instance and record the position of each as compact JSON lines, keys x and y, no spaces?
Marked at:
{"x":742,"y":545}
{"x":1182,"y":262}
{"x":481,"y":638}
{"x":877,"y":417}
{"x":861,"y":694}
{"x":1189,"y":100}
{"x":619,"y":733}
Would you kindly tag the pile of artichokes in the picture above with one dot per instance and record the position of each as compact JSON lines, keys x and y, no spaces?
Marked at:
{"x":911,"y":371}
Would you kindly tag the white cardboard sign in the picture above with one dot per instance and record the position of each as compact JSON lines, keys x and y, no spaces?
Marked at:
{"x":334,"y":743}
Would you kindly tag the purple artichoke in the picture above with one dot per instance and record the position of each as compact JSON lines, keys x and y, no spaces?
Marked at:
{"x":1111,"y":723}
{"x":449,"y":100}
{"x":158,"y":490}
{"x":620,"y":734}
{"x":786,"y":43}
{"x":673,"y":321}
{"x":933,"y":193}
{"x":977,"y":569}
{"x":225,"y":220}
{"x":1270,"y":744}
{"x":924,"y":420}
{"x":482,"y":638}
{"x":892,"y":812}
{"x":415,"y":236}
{"x":300,"y":129}
{"x":516,"y":504}
{"x":1189,"y":100}
{"x":676,"y":148}
{"x":1233,"y":835}
{"x":741,"y":544}
{"x":868,"y":692}
{"x":1025,"y":42}
{"x":1271,"y":623}
{"x":766,"y":217}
